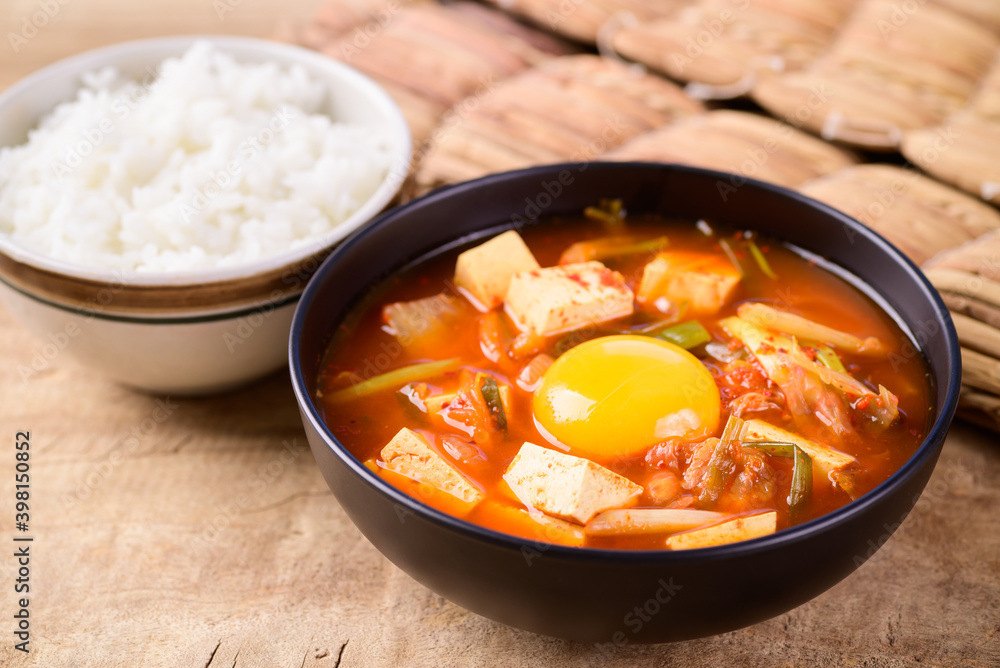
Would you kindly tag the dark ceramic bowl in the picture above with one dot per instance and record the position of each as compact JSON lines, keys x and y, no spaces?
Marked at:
{"x":607,"y":596}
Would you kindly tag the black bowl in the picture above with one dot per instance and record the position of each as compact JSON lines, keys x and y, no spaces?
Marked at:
{"x":609,"y":596}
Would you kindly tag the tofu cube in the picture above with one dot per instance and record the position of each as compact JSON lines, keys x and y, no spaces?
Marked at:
{"x":409,"y":454}
{"x":705,"y":282}
{"x":485,"y":271}
{"x":560,"y":299}
{"x":566,"y":486}
{"x":432,"y":496}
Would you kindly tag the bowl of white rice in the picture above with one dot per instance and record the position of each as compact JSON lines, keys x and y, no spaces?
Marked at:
{"x":163,"y":202}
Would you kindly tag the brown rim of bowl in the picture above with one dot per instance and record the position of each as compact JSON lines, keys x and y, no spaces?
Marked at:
{"x":124,"y":298}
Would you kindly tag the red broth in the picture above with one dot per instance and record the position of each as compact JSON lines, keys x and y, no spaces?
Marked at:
{"x":362,"y":346}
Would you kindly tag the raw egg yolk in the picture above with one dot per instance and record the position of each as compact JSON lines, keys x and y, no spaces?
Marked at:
{"x":617,"y":395}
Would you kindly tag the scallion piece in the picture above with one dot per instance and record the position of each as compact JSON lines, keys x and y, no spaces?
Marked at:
{"x":829,"y":359}
{"x":608,"y":211}
{"x":758,"y":256}
{"x":715,"y":481}
{"x":801,"y":487}
{"x":394,"y":379}
{"x":687,"y":335}
{"x":776,"y":448}
{"x":607,"y":247}
{"x":802,"y":482}
{"x":491,"y":395}
{"x":721,"y":464}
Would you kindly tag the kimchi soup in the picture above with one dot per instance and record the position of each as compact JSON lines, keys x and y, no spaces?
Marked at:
{"x":625,"y":382}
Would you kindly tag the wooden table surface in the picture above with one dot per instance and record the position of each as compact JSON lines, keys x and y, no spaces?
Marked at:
{"x":199,"y":532}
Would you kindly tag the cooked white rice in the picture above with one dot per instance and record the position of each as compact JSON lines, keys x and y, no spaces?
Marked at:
{"x":212,"y":163}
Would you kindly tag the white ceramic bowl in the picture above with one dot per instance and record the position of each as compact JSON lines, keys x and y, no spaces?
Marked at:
{"x":180,"y":332}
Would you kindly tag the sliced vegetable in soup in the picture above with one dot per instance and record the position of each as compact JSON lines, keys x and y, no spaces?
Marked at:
{"x":625,"y":382}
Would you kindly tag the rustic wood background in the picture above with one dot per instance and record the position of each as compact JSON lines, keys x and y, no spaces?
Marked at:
{"x":199,"y":532}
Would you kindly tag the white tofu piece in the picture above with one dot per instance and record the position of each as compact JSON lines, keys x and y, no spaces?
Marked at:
{"x":566,"y":486}
{"x":485,"y":271}
{"x":741,"y":527}
{"x":409,"y":454}
{"x":560,"y":299}
{"x":625,"y":521}
{"x":705,"y":282}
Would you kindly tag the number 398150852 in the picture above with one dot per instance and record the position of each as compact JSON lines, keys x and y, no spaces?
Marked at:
{"x":22,"y":477}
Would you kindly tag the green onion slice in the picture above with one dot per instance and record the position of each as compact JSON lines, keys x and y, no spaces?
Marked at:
{"x":491,"y":395}
{"x":802,"y":478}
{"x":758,"y":256}
{"x":721,"y":463}
{"x":687,"y":335}
{"x":828,"y":358}
{"x":394,"y":379}
{"x":611,"y":212}
{"x":801,"y":487}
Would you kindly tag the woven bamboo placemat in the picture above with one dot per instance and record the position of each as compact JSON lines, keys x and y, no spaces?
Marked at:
{"x":526,"y":121}
{"x":427,"y":56}
{"x":965,"y":149}
{"x":748,"y":145}
{"x":719,"y":45}
{"x":884,"y":74}
{"x":919,"y":215}
{"x":584,"y":20}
